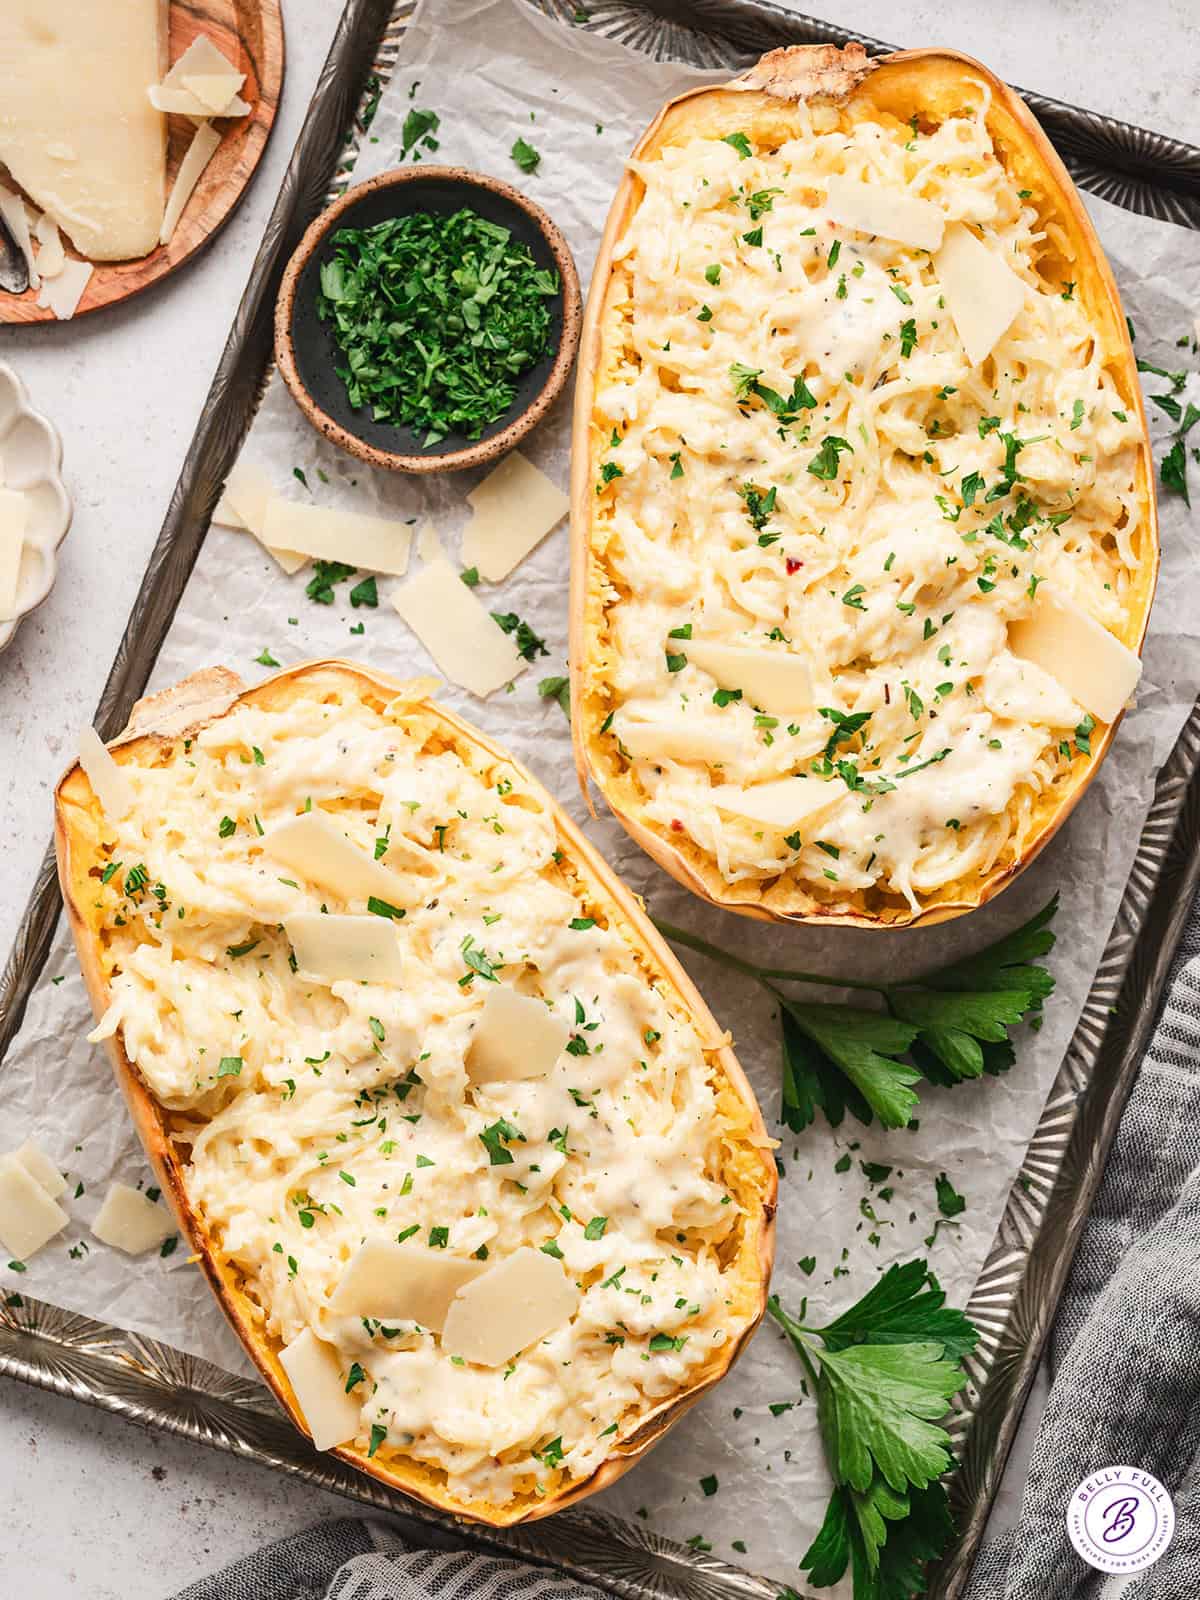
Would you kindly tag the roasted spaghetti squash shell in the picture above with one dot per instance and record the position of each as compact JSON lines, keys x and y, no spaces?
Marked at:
{"x":153,"y":734}
{"x":930,"y":84}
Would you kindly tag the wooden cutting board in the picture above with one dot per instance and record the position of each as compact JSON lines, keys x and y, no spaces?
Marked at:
{"x":250,"y":33}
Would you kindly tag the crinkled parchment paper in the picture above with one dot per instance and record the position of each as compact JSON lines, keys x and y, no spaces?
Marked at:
{"x":494,"y":70}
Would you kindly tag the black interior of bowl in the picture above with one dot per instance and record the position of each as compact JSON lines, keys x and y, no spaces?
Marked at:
{"x":317,"y":353}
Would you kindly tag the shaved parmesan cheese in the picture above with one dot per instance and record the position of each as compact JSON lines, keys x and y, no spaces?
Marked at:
{"x":515,"y":508}
{"x":982,"y":292}
{"x":199,"y":153}
{"x":516,"y":1037}
{"x":247,"y":490}
{"x":14,"y":510}
{"x":784,"y":803}
{"x":429,"y":546}
{"x":226,"y":517}
{"x":677,"y":738}
{"x":177,"y":102}
{"x":1021,"y":691}
{"x":457,"y":631}
{"x":29,"y":1218}
{"x":401,"y":1283}
{"x":64,"y":291}
{"x":328,"y":534}
{"x":215,"y":89}
{"x":40,"y":1168}
{"x":775,"y":681}
{"x":244,"y":506}
{"x":12,"y":209}
{"x":201,"y":58}
{"x":52,"y":258}
{"x":109,"y":784}
{"x":345,"y":949}
{"x":330,"y":1414}
{"x":1092,"y":666}
{"x":887,"y":213}
{"x":315,"y":848}
{"x":518,"y":1301}
{"x":130,"y":1221}
{"x":186,"y":102}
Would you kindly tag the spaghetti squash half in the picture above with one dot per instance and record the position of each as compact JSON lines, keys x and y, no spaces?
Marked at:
{"x":864,"y":534}
{"x":469,"y":1166}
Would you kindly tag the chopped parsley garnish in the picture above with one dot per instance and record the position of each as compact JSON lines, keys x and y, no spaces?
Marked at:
{"x":825,"y":463}
{"x":325,"y":575}
{"x":365,"y":593}
{"x":529,"y":644}
{"x":436,"y":318}
{"x":496,"y":1139}
{"x":740,"y":143}
{"x":557,"y":688}
{"x":230,"y":1067}
{"x":526,"y":157}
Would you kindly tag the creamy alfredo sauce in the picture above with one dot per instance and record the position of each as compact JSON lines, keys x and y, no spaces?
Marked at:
{"x":803,"y":459}
{"x":326,"y":1114}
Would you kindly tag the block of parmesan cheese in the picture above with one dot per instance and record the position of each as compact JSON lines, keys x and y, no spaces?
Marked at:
{"x":776,"y":681}
{"x":345,"y":949}
{"x":317,"y":850}
{"x":516,"y":1036}
{"x":982,"y":292}
{"x":512,"y":1305}
{"x":457,"y":631}
{"x":130,"y":1221}
{"x":40,"y":1167}
{"x":782,"y":803}
{"x":14,"y":508}
{"x":887,"y":213}
{"x":1093,"y":667}
{"x":330,"y":1414}
{"x":515,"y":508}
{"x":109,"y":784}
{"x":76,"y":129}
{"x":29,"y":1217}
{"x":401,"y":1283}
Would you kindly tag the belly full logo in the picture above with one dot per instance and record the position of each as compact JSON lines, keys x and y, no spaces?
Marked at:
{"x":1120,"y":1519}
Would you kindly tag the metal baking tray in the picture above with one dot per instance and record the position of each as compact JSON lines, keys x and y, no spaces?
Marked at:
{"x":1018,"y":1290}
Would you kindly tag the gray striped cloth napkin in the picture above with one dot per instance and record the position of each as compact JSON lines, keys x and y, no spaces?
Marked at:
{"x":1124,"y":1354}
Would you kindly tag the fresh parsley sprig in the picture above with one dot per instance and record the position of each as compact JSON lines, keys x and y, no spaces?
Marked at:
{"x":947,"y":1026}
{"x":884,"y":1373}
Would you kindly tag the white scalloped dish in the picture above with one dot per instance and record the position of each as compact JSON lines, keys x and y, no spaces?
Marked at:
{"x":31,"y":462}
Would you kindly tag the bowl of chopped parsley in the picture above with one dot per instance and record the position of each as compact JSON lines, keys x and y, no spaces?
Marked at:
{"x":428,"y":319}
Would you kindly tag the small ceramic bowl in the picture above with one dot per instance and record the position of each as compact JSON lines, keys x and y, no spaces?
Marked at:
{"x":306,"y":352}
{"x":31,"y":460}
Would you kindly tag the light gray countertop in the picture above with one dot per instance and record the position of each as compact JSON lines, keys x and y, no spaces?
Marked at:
{"x":90,"y":1506}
